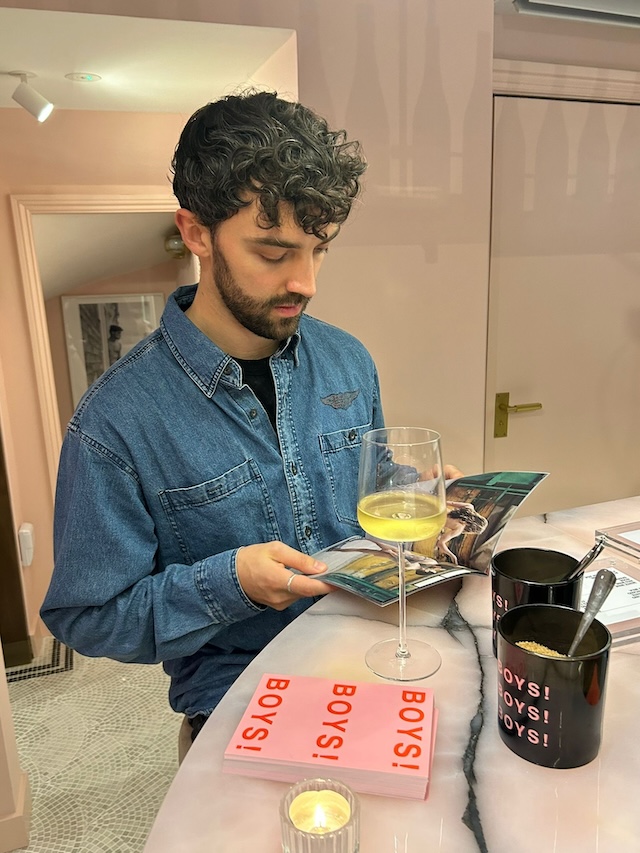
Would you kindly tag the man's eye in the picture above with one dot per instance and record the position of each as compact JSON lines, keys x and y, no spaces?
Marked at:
{"x":273,"y":260}
{"x":321,"y":250}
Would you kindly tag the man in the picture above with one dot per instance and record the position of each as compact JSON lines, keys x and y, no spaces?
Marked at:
{"x":114,"y":342}
{"x":203,"y":470}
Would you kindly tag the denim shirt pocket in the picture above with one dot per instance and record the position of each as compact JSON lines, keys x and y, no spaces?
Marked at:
{"x":341,"y":455}
{"x":220,"y":514}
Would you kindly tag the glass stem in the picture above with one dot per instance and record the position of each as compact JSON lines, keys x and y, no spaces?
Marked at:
{"x":402,"y":650}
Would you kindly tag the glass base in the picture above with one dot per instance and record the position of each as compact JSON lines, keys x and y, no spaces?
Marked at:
{"x":422,"y":662}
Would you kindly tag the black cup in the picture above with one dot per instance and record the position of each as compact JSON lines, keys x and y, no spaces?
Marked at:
{"x":550,"y":709}
{"x":531,"y":576}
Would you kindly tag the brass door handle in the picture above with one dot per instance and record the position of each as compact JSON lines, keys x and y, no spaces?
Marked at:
{"x":503,"y":410}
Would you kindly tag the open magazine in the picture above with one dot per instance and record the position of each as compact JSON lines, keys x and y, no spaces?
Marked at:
{"x":478,"y":508}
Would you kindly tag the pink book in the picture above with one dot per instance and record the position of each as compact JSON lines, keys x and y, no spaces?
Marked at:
{"x":377,"y":737}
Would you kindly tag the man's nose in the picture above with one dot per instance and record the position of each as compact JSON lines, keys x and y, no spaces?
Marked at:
{"x":303,"y":279}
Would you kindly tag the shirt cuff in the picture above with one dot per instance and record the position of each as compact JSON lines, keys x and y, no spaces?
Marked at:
{"x":217,"y":581}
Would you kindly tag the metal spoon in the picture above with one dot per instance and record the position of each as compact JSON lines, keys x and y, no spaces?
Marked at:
{"x":604,"y":582}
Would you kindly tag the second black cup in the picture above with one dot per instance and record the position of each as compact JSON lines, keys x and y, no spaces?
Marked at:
{"x":532,"y":576}
{"x":550,"y":709}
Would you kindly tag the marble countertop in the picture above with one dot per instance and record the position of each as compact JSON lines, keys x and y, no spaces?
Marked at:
{"x":482,"y":796}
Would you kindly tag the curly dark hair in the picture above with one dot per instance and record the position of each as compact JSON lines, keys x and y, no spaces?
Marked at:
{"x":256,"y":143}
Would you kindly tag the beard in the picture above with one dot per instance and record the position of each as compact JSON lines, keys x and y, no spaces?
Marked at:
{"x":253,"y":314}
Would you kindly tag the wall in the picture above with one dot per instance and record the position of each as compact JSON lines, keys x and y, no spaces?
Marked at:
{"x":534,"y":38}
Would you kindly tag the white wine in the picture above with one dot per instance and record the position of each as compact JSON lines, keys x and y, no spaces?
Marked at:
{"x":412,"y":510}
{"x":397,"y":516}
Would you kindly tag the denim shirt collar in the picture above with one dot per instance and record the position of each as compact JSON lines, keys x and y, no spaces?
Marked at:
{"x":203,"y":361}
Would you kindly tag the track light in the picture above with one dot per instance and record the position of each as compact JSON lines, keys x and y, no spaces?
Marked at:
{"x":32,"y":101}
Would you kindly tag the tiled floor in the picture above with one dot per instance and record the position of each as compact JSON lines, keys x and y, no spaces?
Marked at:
{"x":99,"y":743}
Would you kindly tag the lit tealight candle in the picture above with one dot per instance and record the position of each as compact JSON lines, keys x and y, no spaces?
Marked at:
{"x":320,"y":816}
{"x":319,"y":812}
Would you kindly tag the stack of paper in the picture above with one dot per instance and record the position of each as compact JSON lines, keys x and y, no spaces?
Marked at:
{"x":377,"y":738}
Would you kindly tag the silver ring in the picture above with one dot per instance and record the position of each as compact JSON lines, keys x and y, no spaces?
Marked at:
{"x":291,"y":577}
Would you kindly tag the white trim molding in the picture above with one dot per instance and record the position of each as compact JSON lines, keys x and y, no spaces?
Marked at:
{"x":138,"y":200}
{"x":544,"y":80}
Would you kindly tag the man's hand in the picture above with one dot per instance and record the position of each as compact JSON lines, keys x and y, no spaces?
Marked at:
{"x":264,"y":571}
{"x":452,"y":473}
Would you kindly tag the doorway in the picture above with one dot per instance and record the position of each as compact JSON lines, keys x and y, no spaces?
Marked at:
{"x":24,"y":208}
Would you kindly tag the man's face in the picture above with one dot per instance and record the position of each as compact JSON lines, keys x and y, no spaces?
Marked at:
{"x":266,"y":277}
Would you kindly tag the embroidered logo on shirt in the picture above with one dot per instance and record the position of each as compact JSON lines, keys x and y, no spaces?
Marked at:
{"x":340,"y":401}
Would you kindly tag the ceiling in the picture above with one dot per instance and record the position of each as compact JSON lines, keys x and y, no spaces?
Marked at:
{"x":146,"y":65}
{"x":188,"y":65}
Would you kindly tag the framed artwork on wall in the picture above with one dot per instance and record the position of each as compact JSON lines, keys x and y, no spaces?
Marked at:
{"x":101,"y":329}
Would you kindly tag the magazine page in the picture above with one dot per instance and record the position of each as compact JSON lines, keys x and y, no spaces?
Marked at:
{"x":478,"y":508}
{"x":369,"y":568}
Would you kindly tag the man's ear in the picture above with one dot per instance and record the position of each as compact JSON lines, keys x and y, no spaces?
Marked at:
{"x":196,"y":237}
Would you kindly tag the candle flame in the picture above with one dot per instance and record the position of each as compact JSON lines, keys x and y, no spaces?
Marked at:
{"x":319,"y":818}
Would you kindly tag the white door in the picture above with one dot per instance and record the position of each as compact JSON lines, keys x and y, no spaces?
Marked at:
{"x":564,"y":311}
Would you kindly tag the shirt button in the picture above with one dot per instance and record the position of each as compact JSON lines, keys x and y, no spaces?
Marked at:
{"x":253,"y":413}
{"x":352,"y":435}
{"x":307,"y":532}
{"x":228,"y":370}
{"x":293,"y":468}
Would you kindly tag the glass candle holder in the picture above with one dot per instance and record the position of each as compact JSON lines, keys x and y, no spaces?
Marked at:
{"x":320,"y":816}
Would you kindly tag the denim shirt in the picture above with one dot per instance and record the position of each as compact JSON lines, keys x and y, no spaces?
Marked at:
{"x":169,"y":465}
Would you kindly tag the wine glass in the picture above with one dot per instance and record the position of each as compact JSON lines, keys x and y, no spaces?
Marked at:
{"x":401,"y":498}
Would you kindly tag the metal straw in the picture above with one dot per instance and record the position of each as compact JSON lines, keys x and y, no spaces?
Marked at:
{"x":588,"y":558}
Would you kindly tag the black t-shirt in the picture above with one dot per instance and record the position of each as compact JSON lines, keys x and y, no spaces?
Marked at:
{"x":257,"y":374}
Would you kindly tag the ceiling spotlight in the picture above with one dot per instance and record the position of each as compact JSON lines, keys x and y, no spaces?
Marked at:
{"x":83,"y":77}
{"x":27,"y":97}
{"x":175,"y":247}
